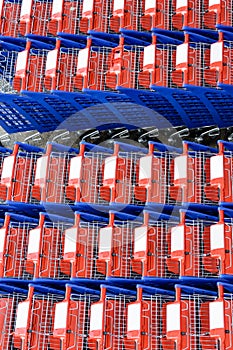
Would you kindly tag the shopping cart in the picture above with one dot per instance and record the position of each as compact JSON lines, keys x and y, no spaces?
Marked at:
{"x":187,"y":325}
{"x":189,"y":13}
{"x":45,"y":248}
{"x":29,"y":69}
{"x":157,"y":14}
{"x":14,"y":237}
{"x":154,"y":174}
{"x":146,"y":319}
{"x":189,"y":246}
{"x":72,"y":318}
{"x":108,"y":319}
{"x":34,"y":17}
{"x":18,"y":172}
{"x":34,"y":318}
{"x":190,"y":174}
{"x":127,"y":15}
{"x":218,"y":12}
{"x":150,"y":246}
{"x":51,"y":173}
{"x":85,"y":174}
{"x":9,"y":17}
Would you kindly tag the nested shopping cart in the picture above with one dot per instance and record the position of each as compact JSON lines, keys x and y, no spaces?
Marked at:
{"x":154,"y":173}
{"x":221,"y":173}
{"x":186,"y":320}
{"x":146,"y":319}
{"x":18,"y":172}
{"x":86,"y":173}
{"x":190,"y":175}
{"x":108,"y":319}
{"x":218,"y":12}
{"x":9,"y":17}
{"x":33,"y":319}
{"x":150,"y":246}
{"x":157,"y":14}
{"x":14,"y":237}
{"x":126,"y":14}
{"x":189,"y":13}
{"x":72,"y":322}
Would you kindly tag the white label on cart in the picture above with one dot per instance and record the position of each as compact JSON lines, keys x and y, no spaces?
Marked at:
{"x":145,"y":167}
{"x":41,"y":168}
{"x":150,"y":4}
{"x":57,"y":7}
{"x":25,"y":8}
{"x":7,"y":168}
{"x":70,"y":240}
{"x":134,"y":317}
{"x":216,"y":167}
{"x":177,"y":238}
{"x":110,"y":168}
{"x":140,"y":239}
{"x":182,"y":53}
{"x":61,"y":315}
{"x":75,"y":168}
{"x":51,"y":61}
{"x":96,"y":320}
{"x":216,"y":52}
{"x":181,"y":3}
{"x":22,"y":315}
{"x":149,"y":55}
{"x":21,"y":63}
{"x":216,"y":313}
{"x":173,"y":317}
{"x":34,"y":241}
{"x":214,"y":2}
{"x":83,"y":56}
{"x":217,"y":236}
{"x":2,"y":239}
{"x":105,"y":239}
{"x":87,"y":6}
{"x":118,"y":5}
{"x":180,"y":167}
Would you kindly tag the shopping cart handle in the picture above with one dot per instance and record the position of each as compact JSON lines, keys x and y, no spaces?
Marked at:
{"x":227,"y":286}
{"x":57,"y":218}
{"x":197,"y":147}
{"x":21,"y":218}
{"x":126,"y":147}
{"x":45,"y":290}
{"x":11,"y":289}
{"x":96,"y":148}
{"x":83,"y":290}
{"x":91,"y":217}
{"x":5,"y":150}
{"x":124,"y":216}
{"x":193,"y":215}
{"x":227,"y":145}
{"x":62,"y":148}
{"x":156,"y":216}
{"x":29,"y":148}
{"x":228,"y":212}
{"x":193,"y":290}
{"x":116,"y":290}
{"x":155,"y":290}
{"x":164,"y":148}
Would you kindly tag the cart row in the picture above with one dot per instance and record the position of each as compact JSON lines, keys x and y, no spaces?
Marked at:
{"x":47,"y":17}
{"x":115,"y":318}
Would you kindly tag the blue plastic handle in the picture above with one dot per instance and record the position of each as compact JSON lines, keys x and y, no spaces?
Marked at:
{"x":62,"y":148}
{"x":29,"y":148}
{"x":82,"y":289}
{"x":227,"y":286}
{"x":91,"y":217}
{"x":193,"y":215}
{"x":57,"y":218}
{"x":193,"y":290}
{"x":5,"y":150}
{"x":96,"y":148}
{"x":21,"y":218}
{"x":165,"y":148}
{"x":117,"y":290}
{"x":156,"y":216}
{"x":154,"y":290}
{"x":227,"y":145}
{"x":5,"y":288}
{"x":197,"y":147}
{"x":45,"y":290}
{"x":126,"y":147}
{"x":125,"y":217}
